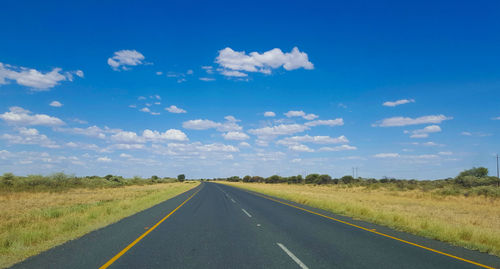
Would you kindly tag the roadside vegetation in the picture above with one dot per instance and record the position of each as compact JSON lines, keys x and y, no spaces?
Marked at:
{"x":463,"y":211}
{"x":38,"y":213}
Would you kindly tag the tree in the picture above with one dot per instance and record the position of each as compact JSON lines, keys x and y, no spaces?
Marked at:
{"x":181,"y":177}
{"x":347,"y":179}
{"x":475,"y":172}
{"x":8,"y":179}
{"x":311,"y":178}
{"x":323,"y":179}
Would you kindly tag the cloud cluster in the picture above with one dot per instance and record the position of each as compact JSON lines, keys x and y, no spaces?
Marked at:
{"x":295,"y":113}
{"x":404,"y":121}
{"x":123,"y":59}
{"x":22,"y":117}
{"x":282,"y":129}
{"x":202,"y":124}
{"x":320,"y":139}
{"x":424,"y":132}
{"x":30,"y":136}
{"x":334,"y":122}
{"x":149,"y":135}
{"x":235,"y":136}
{"x":36,"y":80}
{"x":238,"y":63}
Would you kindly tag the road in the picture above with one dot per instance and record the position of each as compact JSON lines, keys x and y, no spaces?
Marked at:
{"x":218,"y":226}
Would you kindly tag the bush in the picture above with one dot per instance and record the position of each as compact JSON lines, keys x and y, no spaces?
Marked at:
{"x":181,"y":177}
{"x":475,"y":172}
{"x":8,"y":179}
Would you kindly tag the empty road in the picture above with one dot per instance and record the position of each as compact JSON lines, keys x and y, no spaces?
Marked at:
{"x":218,"y":226}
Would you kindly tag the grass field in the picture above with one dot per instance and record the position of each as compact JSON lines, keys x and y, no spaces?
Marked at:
{"x":31,"y":222}
{"x":472,"y":222}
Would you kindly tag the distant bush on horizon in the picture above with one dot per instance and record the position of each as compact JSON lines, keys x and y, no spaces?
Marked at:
{"x":61,"y":181}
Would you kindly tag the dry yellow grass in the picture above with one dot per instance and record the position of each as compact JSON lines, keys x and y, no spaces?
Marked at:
{"x":31,"y":222}
{"x":471,"y":222}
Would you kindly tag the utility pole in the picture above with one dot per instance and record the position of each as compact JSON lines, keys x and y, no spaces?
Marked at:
{"x":353,"y":172}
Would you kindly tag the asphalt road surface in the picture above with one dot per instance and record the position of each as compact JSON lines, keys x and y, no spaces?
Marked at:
{"x":218,"y":226}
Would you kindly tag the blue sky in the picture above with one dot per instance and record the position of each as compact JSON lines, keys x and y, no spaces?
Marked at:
{"x":407,"y":90}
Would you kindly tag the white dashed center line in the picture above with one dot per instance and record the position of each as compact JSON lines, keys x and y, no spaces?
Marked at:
{"x":294,"y":258}
{"x":248,"y":214}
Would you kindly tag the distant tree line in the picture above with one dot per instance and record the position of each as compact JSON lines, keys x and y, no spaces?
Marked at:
{"x":61,"y":181}
{"x":475,"y":177}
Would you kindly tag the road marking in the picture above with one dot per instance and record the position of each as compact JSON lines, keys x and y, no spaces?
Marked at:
{"x":117,"y":256}
{"x":248,"y":214}
{"x":232,"y":200}
{"x":294,"y":258}
{"x":258,"y":225}
{"x":379,"y":233}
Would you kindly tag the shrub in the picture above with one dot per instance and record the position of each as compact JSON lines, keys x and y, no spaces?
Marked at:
{"x":8,"y":179}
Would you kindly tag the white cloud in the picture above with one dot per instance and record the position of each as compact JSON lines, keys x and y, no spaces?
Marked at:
{"x":79,"y":73}
{"x":495,"y":118}
{"x":447,"y":153}
{"x":121,"y":146}
{"x":30,"y":136}
{"x":295,"y":113}
{"x":244,"y":144}
{"x":127,"y":137}
{"x":386,"y":155}
{"x":209,"y":69}
{"x":175,"y":109}
{"x":92,"y":131}
{"x":398,"y":102}
{"x":33,"y":78}
{"x":200,"y":124}
{"x":233,"y":73}
{"x":234,"y":63}
{"x":282,"y":129}
{"x":125,"y":155}
{"x":171,"y":134}
{"x":235,"y":136}
{"x":122,"y":59}
{"x":300,"y":148}
{"x":55,"y":104}
{"x":149,"y":135}
{"x":145,"y":109}
{"x":404,"y":121}
{"x":313,"y":139}
{"x":335,"y":122}
{"x":269,"y":114}
{"x":338,"y":148}
{"x":20,"y":116}
{"x":104,"y":159}
{"x":424,"y":133}
{"x":159,"y":73}
{"x":206,"y":79}
{"x":189,"y":72}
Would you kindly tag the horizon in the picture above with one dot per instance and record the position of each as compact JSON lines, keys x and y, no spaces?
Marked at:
{"x":406,"y":90}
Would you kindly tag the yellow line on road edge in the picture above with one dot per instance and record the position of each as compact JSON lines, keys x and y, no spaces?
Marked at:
{"x":117,"y":256}
{"x":379,"y":233}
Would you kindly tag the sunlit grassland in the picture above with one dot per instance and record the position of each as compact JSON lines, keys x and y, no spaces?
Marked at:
{"x":31,"y":222}
{"x":472,"y":222}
